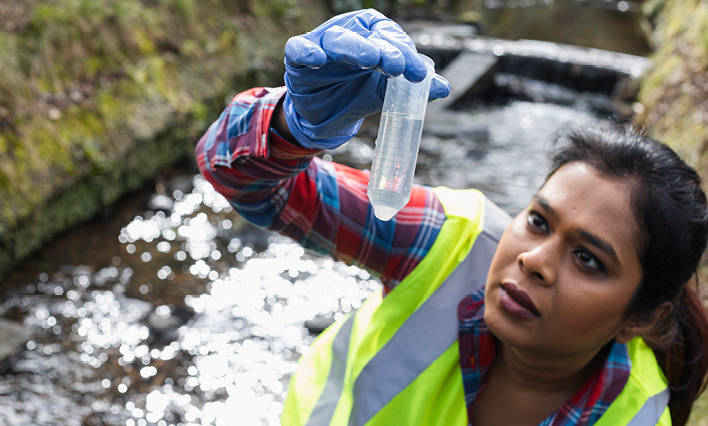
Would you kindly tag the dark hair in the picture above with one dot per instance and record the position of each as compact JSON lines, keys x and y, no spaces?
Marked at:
{"x":670,"y":208}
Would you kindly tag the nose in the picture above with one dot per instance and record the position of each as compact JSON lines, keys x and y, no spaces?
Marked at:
{"x":539,"y":263}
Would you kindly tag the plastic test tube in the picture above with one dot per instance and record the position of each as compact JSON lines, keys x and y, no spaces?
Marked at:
{"x":397,"y":143}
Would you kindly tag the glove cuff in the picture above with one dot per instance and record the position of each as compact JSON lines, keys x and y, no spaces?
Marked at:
{"x":316,"y":136}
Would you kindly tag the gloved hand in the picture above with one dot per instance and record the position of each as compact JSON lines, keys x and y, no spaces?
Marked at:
{"x":336,"y":75}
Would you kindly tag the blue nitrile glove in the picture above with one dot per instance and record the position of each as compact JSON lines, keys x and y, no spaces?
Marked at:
{"x":332,"y":79}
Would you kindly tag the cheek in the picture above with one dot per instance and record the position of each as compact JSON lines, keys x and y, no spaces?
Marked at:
{"x":589,"y":314}
{"x":509,"y":248}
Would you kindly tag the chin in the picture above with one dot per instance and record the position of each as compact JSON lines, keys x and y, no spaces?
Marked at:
{"x":505,"y":328}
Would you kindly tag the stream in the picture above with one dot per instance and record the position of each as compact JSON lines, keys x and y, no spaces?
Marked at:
{"x":169,"y":310}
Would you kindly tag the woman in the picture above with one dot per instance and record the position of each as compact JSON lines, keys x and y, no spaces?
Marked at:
{"x":576,"y":312}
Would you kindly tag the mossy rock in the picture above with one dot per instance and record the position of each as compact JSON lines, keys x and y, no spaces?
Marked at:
{"x":97,"y":96}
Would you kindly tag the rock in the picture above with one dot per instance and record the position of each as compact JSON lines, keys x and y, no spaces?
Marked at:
{"x":183,"y":184}
{"x":160,"y":203}
{"x":13,"y":338}
{"x":319,"y":323}
{"x":164,"y":322}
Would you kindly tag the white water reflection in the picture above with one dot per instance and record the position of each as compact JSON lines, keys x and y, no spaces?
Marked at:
{"x":108,"y":359}
{"x":200,"y":321}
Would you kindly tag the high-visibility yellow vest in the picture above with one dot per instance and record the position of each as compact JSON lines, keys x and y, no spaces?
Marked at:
{"x":395,"y":361}
{"x":645,"y":397}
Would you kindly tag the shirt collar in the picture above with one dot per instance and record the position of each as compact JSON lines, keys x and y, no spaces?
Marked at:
{"x":477,"y":349}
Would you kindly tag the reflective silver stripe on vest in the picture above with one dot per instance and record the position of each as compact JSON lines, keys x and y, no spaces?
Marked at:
{"x":429,"y":331}
{"x":652,"y":410}
{"x":327,"y":403}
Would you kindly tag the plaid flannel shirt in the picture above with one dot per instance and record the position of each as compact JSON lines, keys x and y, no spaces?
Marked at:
{"x":477,"y":348}
{"x":324,"y":207}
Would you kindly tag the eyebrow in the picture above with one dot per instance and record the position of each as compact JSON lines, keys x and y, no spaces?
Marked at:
{"x":591,"y":238}
{"x":542,"y":201}
{"x":599,"y":243}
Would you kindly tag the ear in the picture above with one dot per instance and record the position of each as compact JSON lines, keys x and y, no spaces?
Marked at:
{"x":636,"y":326}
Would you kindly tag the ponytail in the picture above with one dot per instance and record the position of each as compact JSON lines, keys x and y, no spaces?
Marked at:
{"x":683,"y":353}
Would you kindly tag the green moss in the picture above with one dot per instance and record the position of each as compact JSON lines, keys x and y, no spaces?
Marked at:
{"x":186,"y":10}
{"x":657,"y":78}
{"x":145,"y":45}
{"x":702,"y":35}
{"x":92,"y":193}
{"x":277,"y":9}
{"x":5,"y":181}
{"x":101,"y":94}
{"x":674,"y":91}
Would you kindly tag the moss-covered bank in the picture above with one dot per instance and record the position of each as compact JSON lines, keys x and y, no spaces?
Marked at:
{"x":96,"y":95}
{"x":674,"y":97}
{"x":674,"y":92}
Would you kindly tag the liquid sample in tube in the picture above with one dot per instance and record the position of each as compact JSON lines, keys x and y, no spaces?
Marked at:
{"x":397,"y":143}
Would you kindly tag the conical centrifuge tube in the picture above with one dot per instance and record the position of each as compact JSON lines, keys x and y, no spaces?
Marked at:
{"x":397,"y":143}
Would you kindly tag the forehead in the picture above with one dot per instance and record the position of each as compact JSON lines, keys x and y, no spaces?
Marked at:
{"x":587,"y":199}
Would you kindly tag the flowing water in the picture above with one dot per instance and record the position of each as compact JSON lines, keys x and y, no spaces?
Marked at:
{"x":605,"y":24}
{"x":192,"y":322}
{"x":174,"y":312}
{"x":193,"y":318}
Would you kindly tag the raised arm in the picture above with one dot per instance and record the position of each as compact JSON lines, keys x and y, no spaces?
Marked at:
{"x":259,"y":153}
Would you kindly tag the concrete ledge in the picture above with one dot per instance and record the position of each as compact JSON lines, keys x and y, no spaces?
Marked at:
{"x":581,"y":68}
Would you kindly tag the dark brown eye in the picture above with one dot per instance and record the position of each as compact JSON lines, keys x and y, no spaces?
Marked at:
{"x":589,"y":260}
{"x":584,"y":256}
{"x":537,"y":221}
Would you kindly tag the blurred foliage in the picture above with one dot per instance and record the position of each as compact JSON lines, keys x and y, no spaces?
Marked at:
{"x":88,"y":89}
{"x":391,"y":8}
{"x":674,"y":91}
{"x":699,"y":415}
{"x":674,"y":98}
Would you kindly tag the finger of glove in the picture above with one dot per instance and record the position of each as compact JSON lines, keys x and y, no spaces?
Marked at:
{"x":392,"y":62}
{"x":391,"y":32}
{"x":439,"y":88}
{"x":355,"y":20}
{"x":299,"y":51}
{"x":343,"y":45}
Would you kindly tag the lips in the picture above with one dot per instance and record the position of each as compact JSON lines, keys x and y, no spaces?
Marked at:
{"x":518,"y":297}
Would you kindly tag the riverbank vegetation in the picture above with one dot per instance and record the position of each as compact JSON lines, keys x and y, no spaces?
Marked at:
{"x":674,"y":91}
{"x":97,"y":95}
{"x":672,"y":98}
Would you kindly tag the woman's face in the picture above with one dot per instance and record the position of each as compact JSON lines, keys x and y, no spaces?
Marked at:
{"x":567,"y":267}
